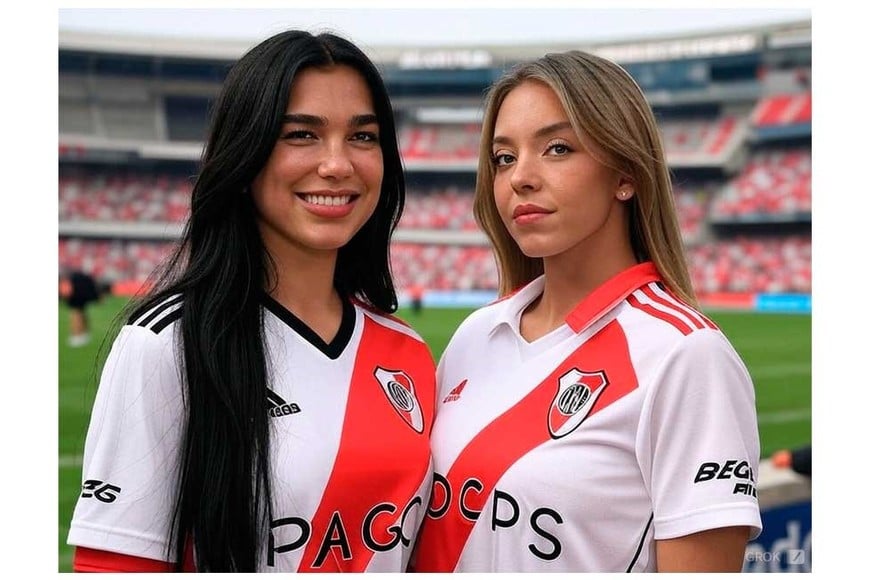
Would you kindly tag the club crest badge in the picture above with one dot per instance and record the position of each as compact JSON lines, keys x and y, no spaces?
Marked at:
{"x":399,"y":389}
{"x":578,"y":391}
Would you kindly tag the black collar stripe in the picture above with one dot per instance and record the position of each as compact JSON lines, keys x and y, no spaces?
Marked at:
{"x":333,"y":349}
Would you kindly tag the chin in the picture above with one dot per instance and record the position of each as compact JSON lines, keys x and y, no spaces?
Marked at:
{"x":327,"y":241}
{"x":329,"y":245}
{"x":535,"y":250}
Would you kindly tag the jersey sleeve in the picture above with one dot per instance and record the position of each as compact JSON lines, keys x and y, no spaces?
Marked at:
{"x":90,"y":560}
{"x":698,"y":444}
{"x":133,"y":442}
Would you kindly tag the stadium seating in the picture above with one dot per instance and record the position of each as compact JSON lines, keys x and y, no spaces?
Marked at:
{"x":113,"y":261}
{"x":772,"y":265}
{"x":744,"y":264}
{"x":123,"y":197}
{"x":692,"y":203}
{"x":443,"y":267}
{"x":440,"y":142}
{"x":775,"y":183}
{"x":698,"y":136}
{"x":783,"y":109}
{"x":448,"y":208}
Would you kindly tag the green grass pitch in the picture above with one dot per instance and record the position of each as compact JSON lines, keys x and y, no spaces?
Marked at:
{"x":775,"y":348}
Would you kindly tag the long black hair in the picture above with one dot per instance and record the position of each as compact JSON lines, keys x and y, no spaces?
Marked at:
{"x":221,"y":269}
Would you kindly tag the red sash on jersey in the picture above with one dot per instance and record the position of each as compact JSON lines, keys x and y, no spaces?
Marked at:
{"x":509,"y":437}
{"x":374,"y":439}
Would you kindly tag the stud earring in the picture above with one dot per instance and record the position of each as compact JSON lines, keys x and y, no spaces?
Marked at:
{"x":624,"y":194}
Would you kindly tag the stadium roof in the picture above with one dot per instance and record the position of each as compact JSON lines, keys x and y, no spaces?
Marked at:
{"x":699,"y":44}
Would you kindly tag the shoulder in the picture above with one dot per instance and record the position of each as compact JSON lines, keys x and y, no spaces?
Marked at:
{"x":144,"y":364}
{"x":160,"y":316}
{"x":391,"y":333}
{"x":389,"y":322}
{"x":660,"y":309}
{"x":701,"y":366}
{"x":705,"y":348}
{"x":147,"y":339}
{"x":388,"y":342}
{"x":675,"y":334}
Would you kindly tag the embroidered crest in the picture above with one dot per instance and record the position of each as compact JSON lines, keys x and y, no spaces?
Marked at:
{"x":578,"y":391}
{"x":399,"y":389}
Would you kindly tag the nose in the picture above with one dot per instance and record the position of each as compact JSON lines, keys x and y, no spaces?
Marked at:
{"x":524,"y":175}
{"x":336,"y":163}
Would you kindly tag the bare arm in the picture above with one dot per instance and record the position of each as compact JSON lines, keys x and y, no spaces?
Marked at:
{"x":719,"y":550}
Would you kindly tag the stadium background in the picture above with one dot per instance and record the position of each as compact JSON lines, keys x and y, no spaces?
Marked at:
{"x":735,"y":112}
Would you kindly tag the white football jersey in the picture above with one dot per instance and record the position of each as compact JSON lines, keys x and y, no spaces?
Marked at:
{"x":350,"y":425}
{"x":633,"y":422}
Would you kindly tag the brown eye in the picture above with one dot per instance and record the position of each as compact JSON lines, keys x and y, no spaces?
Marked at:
{"x":559,"y":149}
{"x":502,"y":159}
{"x":299,"y":134}
{"x":366,"y":137}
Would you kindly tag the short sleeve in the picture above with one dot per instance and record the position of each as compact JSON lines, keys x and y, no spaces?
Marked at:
{"x":129,"y":471}
{"x":698,"y":444}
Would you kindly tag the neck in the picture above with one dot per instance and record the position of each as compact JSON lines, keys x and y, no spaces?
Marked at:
{"x":304,"y":286}
{"x":569,"y":278}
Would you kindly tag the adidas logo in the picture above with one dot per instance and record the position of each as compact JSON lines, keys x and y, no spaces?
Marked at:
{"x":278,"y":407}
{"x":455,"y":393}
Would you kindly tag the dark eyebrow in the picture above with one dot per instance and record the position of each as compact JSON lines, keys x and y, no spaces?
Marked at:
{"x":303,"y":119}
{"x":361,"y":120}
{"x":315,"y":121}
{"x":540,"y":132}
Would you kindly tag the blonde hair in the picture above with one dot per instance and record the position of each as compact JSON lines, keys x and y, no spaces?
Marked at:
{"x":604,"y":105}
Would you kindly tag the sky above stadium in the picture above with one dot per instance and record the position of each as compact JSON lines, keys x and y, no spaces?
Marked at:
{"x":384,"y":24}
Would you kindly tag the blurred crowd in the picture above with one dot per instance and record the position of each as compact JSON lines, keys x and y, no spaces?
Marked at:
{"x":774,"y":187}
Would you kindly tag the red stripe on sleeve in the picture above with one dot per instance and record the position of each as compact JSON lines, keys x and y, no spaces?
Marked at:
{"x":656,"y":313}
{"x":705,"y":321}
{"x":677,"y":306}
{"x":91,"y":560}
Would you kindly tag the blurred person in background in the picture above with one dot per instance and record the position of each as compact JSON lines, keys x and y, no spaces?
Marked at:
{"x":260,"y":410}
{"x":81,"y":291}
{"x":592,"y":419}
{"x":798,"y":459}
{"x":417,"y":292}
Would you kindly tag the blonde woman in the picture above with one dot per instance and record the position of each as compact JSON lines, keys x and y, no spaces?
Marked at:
{"x":593,"y":419}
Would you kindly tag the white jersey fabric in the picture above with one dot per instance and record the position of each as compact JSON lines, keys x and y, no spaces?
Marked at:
{"x":633,"y":422}
{"x":350,"y":455}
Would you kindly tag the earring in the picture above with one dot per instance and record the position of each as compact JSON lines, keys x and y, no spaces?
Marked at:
{"x":624,"y":194}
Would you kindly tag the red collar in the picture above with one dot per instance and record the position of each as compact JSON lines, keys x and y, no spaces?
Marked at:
{"x":610,"y":293}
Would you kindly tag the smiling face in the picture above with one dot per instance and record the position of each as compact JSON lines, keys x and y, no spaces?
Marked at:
{"x":323,"y":179}
{"x":551,"y":193}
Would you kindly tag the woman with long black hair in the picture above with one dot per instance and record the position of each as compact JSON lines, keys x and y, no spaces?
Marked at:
{"x":260,"y":410}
